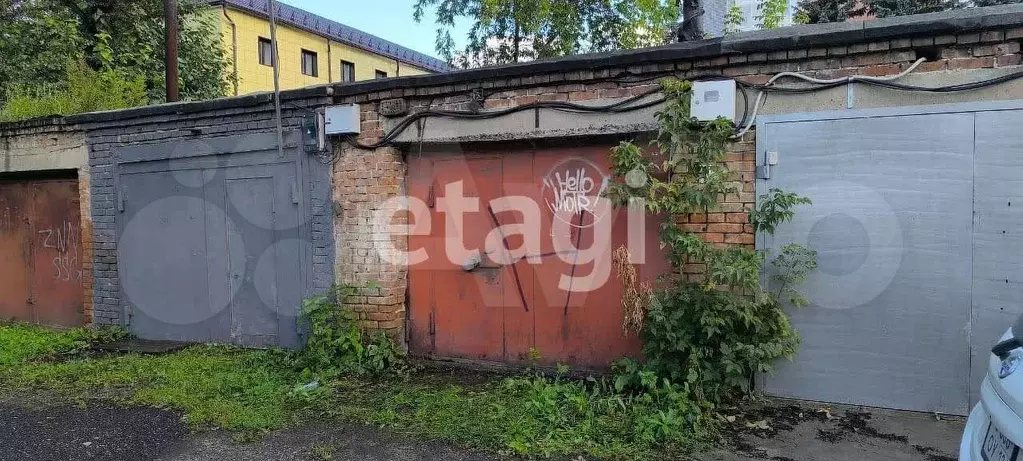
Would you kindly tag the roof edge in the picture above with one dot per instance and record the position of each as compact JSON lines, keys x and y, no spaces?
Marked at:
{"x":261,"y":14}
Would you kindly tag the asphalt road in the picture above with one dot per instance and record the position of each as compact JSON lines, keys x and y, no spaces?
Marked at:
{"x":102,"y":432}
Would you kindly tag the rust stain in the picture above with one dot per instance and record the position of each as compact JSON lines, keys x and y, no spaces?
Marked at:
{"x":40,"y":242}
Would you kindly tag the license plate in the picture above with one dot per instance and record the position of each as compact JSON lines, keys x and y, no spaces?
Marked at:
{"x":998,"y":447}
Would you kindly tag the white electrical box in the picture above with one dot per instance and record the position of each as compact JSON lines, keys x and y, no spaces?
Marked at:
{"x":713,"y":99}
{"x":342,"y":119}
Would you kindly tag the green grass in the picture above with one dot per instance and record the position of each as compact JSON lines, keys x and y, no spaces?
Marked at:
{"x":22,"y":342}
{"x":254,"y":391}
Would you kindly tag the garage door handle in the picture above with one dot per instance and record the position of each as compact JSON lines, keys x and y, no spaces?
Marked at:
{"x":472,"y":263}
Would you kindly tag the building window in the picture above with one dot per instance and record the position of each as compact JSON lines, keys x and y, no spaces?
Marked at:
{"x":309,"y":63}
{"x":266,"y":53}
{"x":381,"y":74}
{"x":347,"y":71}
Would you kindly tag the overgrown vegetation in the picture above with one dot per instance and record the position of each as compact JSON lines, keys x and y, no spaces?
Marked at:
{"x":115,"y":50}
{"x":252,"y":392}
{"x":82,"y":90}
{"x":337,"y":346}
{"x":707,"y":337}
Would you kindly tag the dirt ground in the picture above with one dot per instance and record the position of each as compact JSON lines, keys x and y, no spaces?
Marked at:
{"x":806,"y":431}
{"x":780,"y":430}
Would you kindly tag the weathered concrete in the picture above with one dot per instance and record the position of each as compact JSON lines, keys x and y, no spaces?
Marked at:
{"x":804,"y":431}
{"x":534,"y":124}
{"x":43,"y":148}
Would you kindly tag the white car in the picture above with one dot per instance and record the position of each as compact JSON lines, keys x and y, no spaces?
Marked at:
{"x":994,"y":431}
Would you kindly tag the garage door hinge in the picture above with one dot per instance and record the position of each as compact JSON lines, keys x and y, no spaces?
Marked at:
{"x":770,"y":159}
{"x":120,"y":199}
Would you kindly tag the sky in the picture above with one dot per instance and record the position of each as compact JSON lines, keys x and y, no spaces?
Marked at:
{"x":387,"y":19}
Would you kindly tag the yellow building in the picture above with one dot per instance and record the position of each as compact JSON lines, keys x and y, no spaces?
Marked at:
{"x":312,"y":49}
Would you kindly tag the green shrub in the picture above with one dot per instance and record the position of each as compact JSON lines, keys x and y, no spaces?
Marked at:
{"x":337,"y":346}
{"x":708,"y":337}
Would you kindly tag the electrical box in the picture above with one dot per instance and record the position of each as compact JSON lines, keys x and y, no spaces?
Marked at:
{"x":342,"y":119}
{"x":313,"y":138}
{"x":713,"y":99}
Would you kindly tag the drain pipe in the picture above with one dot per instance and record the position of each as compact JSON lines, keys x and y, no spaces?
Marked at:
{"x":234,"y":46}
{"x":272,"y":6}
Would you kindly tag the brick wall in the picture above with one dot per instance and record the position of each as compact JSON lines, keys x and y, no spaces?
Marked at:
{"x":604,"y":80}
{"x":160,"y":125}
{"x":363,"y":182}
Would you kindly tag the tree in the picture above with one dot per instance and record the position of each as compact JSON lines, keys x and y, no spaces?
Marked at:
{"x":885,"y":8}
{"x":520,"y":30}
{"x":733,"y":19}
{"x":123,"y":36}
{"x":772,"y":13}
{"x":821,"y":11}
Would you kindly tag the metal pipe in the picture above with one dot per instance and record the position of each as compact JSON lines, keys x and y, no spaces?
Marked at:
{"x":272,"y":6}
{"x":234,"y":47}
{"x":170,"y":16}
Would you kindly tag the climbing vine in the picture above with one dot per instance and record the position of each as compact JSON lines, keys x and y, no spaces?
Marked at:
{"x":711,"y":334}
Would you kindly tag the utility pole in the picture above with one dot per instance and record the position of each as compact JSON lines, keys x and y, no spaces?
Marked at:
{"x":272,"y":10}
{"x":170,"y":15}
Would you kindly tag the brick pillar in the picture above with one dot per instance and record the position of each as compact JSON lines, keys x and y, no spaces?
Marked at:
{"x":86,"y":225}
{"x":363,"y":182}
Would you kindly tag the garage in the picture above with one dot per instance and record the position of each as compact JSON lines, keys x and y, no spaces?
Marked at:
{"x":559,"y":302}
{"x":40,"y":244}
{"x":917,"y":221}
{"x":214,"y":238}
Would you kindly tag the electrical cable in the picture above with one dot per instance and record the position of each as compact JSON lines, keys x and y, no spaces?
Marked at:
{"x":823,"y":84}
{"x":625,"y":105}
{"x":746,"y":121}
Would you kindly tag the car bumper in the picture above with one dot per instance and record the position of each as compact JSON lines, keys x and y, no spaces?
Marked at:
{"x":991,"y":410}
{"x":976,"y":425}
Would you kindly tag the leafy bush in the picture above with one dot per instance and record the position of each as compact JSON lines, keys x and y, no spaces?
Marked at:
{"x":708,"y":335}
{"x":84,"y":90}
{"x":337,"y":345}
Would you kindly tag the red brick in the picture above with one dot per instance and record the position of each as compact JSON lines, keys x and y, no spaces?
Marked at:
{"x":744,"y":239}
{"x":932,"y":66}
{"x":724,"y":227}
{"x":582,"y":95}
{"x":740,"y":218}
{"x":972,"y":63}
{"x":525,"y":100}
{"x":1007,"y":60}
{"x":715,"y":217}
{"x":714,"y":238}
{"x":884,"y":69}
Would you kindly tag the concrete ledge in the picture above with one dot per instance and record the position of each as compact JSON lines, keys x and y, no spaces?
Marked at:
{"x":529,"y":125}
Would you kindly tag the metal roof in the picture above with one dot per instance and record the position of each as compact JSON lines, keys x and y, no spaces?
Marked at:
{"x":287,"y":14}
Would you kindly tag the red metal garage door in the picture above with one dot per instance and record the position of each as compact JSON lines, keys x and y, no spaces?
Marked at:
{"x":503,"y":313}
{"x":40,"y":250}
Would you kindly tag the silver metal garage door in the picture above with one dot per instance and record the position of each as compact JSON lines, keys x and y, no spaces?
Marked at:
{"x":214,"y":239}
{"x":919,"y":250}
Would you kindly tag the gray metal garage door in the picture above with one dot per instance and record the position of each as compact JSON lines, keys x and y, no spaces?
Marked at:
{"x":214,"y":239}
{"x":919,"y":250}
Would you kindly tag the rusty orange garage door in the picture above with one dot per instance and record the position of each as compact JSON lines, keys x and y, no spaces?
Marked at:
{"x":40,"y":250}
{"x":542,"y":283}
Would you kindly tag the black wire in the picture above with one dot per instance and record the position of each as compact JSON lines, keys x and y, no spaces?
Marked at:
{"x":627,"y":105}
{"x":745,"y":104}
